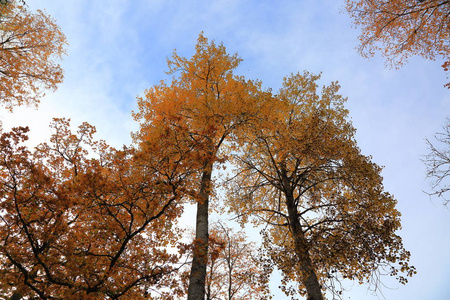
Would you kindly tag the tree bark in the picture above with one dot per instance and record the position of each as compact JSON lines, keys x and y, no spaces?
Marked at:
{"x":313,"y":288}
{"x":197,"y":279}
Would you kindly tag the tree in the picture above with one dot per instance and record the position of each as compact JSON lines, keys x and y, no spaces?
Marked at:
{"x":234,"y":270}
{"x":29,"y":45}
{"x":81,"y":220}
{"x":198,"y":112}
{"x":399,"y":29}
{"x":301,"y":173}
{"x":438,"y":164}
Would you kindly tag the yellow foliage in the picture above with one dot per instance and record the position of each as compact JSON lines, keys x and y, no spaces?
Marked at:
{"x":301,"y":173}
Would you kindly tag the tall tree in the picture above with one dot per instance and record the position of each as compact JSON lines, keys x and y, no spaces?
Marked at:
{"x":234,"y":271}
{"x":202,"y":107}
{"x":81,"y":220}
{"x":399,"y":29}
{"x":438,"y":163}
{"x":30,"y":43}
{"x":301,"y":173}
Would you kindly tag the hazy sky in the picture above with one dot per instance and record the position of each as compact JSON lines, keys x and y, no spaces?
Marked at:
{"x":119,"y":48}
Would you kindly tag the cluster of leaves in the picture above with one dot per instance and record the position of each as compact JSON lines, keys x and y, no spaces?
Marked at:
{"x":399,"y":29}
{"x":29,"y":44}
{"x":74,"y":227}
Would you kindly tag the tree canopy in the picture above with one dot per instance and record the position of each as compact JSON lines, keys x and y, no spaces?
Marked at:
{"x":30,"y":44}
{"x":300,"y":172}
{"x":82,"y":220}
{"x":399,"y":29}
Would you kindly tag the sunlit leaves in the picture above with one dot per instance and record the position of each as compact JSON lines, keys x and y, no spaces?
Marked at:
{"x":205,"y":100}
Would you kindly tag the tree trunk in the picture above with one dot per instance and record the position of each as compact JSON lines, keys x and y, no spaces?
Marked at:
{"x":308,"y":273}
{"x":230,"y":271}
{"x":197,"y":279}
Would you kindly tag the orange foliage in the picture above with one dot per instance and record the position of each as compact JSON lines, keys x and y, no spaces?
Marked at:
{"x":399,"y":29}
{"x":202,"y":110}
{"x":29,"y":44}
{"x":206,"y":102}
{"x":81,"y":220}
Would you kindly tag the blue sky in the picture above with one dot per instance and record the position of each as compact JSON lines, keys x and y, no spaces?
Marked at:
{"x":119,"y":48}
